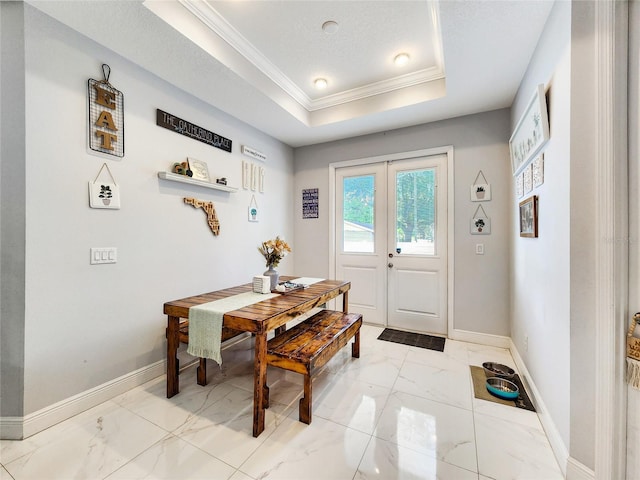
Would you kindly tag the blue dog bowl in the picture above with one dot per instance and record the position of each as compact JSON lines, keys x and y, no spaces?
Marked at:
{"x":502,"y":388}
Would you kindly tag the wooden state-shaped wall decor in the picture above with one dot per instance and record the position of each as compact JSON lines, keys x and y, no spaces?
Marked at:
{"x":209,"y":209}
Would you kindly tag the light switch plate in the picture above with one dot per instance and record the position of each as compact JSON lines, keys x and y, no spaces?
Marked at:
{"x":479,"y":248}
{"x":103,"y":255}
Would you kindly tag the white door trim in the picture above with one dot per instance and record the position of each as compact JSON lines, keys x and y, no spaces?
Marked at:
{"x":612,"y":280}
{"x":448,"y":151}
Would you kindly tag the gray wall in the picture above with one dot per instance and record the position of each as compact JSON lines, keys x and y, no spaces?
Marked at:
{"x":86,"y":325}
{"x":633,"y":425}
{"x":12,"y":209}
{"x":480,"y":143}
{"x":541,"y":266}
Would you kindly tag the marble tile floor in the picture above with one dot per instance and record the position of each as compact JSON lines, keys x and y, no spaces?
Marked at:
{"x":397,"y":412}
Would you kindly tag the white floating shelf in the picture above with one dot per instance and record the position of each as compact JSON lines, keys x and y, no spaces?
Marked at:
{"x":174,"y":177}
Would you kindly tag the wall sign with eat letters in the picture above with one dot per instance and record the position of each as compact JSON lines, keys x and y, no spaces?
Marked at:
{"x":106,"y":116}
{"x":183,"y":127}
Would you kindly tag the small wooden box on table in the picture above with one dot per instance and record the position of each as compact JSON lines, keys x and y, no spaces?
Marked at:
{"x":310,"y":345}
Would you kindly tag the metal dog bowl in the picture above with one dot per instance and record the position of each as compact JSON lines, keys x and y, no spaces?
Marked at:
{"x":502,"y":388}
{"x":492,"y":369}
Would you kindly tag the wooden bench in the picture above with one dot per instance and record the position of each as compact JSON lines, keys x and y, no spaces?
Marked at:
{"x":310,"y":345}
{"x":201,"y":374}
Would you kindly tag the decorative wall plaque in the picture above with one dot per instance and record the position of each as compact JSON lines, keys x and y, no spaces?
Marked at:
{"x":106,"y":116}
{"x":104,"y":194}
{"x":310,"y":203}
{"x":191,"y":130}
{"x":480,"y":223}
{"x":253,"y":153}
{"x":209,"y":209}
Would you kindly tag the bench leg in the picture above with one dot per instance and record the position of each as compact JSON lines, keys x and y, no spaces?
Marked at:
{"x":355,"y":346}
{"x":173,"y":365}
{"x":305,"y":402}
{"x":202,"y":372}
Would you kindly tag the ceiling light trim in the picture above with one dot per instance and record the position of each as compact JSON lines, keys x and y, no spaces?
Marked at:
{"x":377,"y":88}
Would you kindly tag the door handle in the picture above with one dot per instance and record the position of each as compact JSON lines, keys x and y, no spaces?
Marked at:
{"x":390,"y":265}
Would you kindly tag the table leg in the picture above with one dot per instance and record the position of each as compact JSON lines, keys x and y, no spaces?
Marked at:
{"x":345,"y":302}
{"x":173,"y":342}
{"x":259,"y":382}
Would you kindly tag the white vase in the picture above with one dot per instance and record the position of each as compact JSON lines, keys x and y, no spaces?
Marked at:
{"x":273,"y":274}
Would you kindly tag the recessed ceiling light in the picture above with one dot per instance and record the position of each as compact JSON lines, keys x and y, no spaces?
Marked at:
{"x":330,"y":27}
{"x":401,"y":59}
{"x":320,"y":83}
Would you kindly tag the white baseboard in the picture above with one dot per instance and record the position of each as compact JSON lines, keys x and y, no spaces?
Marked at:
{"x":67,"y":408}
{"x":577,"y":471}
{"x":557,"y":444}
{"x":480,"y":338}
{"x":18,"y":428}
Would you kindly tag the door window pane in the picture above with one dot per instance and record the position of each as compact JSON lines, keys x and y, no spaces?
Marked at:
{"x":358,"y":214}
{"x":415,"y":212}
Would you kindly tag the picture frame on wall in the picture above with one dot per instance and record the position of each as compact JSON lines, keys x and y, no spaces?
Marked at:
{"x":529,"y":217}
{"x":531,"y":132}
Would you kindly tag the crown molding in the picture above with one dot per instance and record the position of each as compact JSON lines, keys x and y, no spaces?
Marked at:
{"x":213,"y":20}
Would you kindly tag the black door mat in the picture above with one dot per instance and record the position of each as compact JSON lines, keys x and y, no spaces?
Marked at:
{"x":480,"y":390}
{"x":413,"y":339}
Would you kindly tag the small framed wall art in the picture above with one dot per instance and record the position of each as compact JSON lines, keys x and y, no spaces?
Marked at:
{"x":480,"y":191}
{"x":199,"y":169}
{"x":253,"y":209}
{"x":538,"y":170}
{"x":528,"y":178}
{"x":480,"y":223}
{"x":309,"y":203}
{"x":104,"y":194}
{"x":529,"y":217}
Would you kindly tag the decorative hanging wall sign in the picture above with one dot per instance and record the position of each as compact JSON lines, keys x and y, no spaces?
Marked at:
{"x":246,"y":174}
{"x":480,"y":192}
{"x":188,"y":129}
{"x":253,"y":209}
{"x":104,"y":194}
{"x":255,"y":172}
{"x":209,"y":209}
{"x":106,"y":116}
{"x":253,"y":153}
{"x":261,"y":180}
{"x":310,"y":203}
{"x":480,"y":223}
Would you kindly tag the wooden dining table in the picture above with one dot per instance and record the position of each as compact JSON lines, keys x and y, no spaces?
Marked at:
{"x":259,"y":319}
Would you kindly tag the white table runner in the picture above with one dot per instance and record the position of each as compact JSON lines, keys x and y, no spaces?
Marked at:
{"x":205,"y":321}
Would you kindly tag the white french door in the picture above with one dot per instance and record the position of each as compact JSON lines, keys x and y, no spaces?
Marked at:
{"x":391,"y":241}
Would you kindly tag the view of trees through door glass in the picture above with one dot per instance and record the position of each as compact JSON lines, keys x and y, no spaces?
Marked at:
{"x":358,"y":214}
{"x":415,"y":212}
